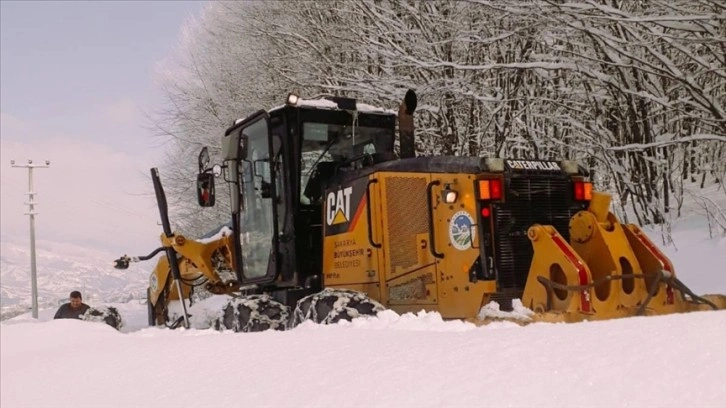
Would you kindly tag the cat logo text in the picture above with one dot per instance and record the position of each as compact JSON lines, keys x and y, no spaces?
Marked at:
{"x":338,"y":205}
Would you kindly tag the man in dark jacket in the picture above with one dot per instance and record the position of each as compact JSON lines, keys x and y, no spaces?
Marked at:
{"x":74,"y":309}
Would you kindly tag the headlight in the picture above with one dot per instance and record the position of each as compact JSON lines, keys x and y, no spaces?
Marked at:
{"x":448,"y":195}
{"x":292,"y":98}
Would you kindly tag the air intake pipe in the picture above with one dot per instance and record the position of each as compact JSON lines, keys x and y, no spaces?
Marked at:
{"x":405,"y":125}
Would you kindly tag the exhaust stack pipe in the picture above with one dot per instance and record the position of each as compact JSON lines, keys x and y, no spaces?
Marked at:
{"x":405,"y":125}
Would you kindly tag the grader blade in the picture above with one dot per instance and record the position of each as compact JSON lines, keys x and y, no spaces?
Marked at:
{"x":608,"y":270}
{"x":559,"y":280}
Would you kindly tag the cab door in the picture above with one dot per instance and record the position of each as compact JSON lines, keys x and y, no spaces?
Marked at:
{"x":258,"y":213}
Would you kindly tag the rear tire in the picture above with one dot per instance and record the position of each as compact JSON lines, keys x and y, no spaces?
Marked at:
{"x":253,"y":313}
{"x":333,"y":305}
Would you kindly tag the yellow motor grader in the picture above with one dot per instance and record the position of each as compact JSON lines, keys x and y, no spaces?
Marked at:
{"x":328,"y":223}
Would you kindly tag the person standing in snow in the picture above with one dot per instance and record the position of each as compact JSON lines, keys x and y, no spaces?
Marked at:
{"x":74,"y":309}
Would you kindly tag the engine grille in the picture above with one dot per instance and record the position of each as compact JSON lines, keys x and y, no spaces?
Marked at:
{"x":533,"y":200}
{"x":407,"y":216}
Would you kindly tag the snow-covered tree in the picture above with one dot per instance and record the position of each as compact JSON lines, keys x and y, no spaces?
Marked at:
{"x":635,"y":89}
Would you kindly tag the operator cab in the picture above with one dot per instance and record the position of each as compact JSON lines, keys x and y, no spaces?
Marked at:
{"x":326,"y":137}
{"x":277,"y":164}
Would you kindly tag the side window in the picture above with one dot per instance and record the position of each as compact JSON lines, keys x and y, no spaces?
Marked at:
{"x":317,"y":141}
{"x":256,"y":237}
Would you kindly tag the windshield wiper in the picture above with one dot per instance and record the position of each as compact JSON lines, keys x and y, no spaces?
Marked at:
{"x":327,"y":147}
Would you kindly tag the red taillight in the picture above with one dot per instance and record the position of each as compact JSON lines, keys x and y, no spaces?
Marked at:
{"x":579,"y":191}
{"x":485,"y":212}
{"x":490,"y":189}
{"x":495,"y":186}
{"x":583,"y":191}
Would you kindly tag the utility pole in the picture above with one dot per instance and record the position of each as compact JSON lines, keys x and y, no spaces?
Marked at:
{"x":31,"y":212}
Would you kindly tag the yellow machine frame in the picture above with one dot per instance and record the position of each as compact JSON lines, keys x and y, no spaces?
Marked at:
{"x":607,"y":270}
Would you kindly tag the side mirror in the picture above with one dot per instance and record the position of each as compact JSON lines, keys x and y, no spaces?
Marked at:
{"x":203,"y":160}
{"x":205,"y":189}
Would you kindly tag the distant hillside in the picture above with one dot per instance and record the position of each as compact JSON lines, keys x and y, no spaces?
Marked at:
{"x":62,"y":268}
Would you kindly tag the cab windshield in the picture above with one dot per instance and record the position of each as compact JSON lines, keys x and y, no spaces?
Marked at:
{"x":325,"y":142}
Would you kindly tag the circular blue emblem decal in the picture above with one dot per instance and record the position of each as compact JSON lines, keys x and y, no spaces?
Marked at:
{"x":461,"y":232}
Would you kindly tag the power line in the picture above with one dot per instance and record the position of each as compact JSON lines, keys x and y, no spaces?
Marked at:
{"x":31,"y":212}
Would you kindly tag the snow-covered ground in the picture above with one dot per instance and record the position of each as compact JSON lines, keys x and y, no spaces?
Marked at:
{"x":411,"y":360}
{"x":61,"y":268}
{"x":387,"y":361}
{"x":414,"y":360}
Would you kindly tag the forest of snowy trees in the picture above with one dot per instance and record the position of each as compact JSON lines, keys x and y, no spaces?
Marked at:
{"x":634,"y":89}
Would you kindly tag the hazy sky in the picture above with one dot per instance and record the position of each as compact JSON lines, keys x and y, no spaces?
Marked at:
{"x":76,"y":79}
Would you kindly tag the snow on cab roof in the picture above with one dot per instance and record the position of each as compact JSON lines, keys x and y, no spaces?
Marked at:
{"x":322,"y":103}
